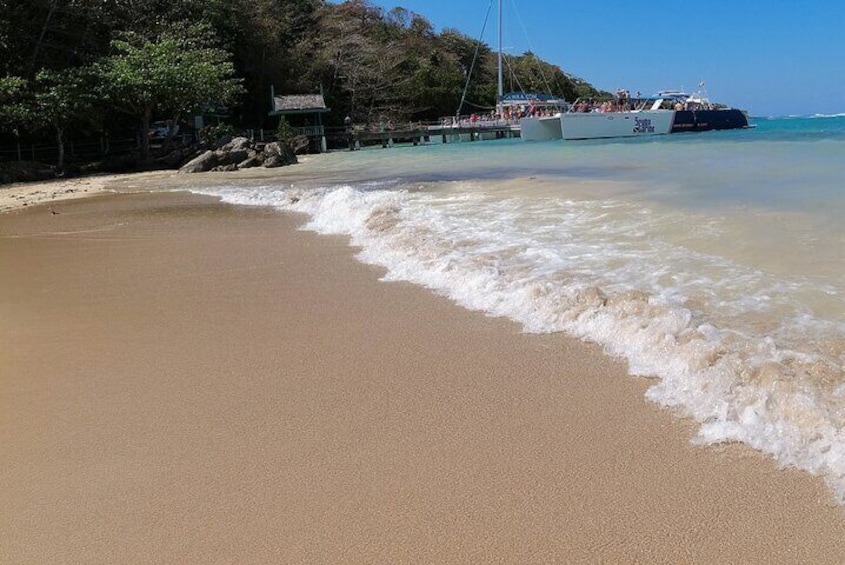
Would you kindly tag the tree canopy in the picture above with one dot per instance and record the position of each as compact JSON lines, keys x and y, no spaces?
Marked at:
{"x":173,"y":74}
{"x":166,"y":59}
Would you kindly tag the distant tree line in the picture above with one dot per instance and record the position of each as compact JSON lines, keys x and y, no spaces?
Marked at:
{"x":100,"y":66}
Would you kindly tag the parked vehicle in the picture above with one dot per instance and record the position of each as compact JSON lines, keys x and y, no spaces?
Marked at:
{"x":159,"y":131}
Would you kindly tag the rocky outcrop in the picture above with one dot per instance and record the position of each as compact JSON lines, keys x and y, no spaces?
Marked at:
{"x":241,"y":153}
{"x":204,"y":162}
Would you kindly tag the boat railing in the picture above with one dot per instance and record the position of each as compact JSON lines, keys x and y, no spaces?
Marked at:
{"x":590,"y":105}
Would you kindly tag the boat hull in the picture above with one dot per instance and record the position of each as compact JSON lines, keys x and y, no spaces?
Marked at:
{"x":707,"y":120}
{"x":540,"y":129}
{"x":599,"y":125}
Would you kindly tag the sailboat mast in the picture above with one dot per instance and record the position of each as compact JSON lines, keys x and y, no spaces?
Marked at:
{"x":501,"y":88}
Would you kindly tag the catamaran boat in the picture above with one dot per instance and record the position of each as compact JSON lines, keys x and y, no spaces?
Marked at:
{"x":667,"y":112}
{"x":544,"y":111}
{"x":609,"y":120}
{"x":541,"y":128}
{"x":598,"y":121}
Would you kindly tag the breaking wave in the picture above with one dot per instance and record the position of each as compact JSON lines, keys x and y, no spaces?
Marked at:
{"x":733,"y":347}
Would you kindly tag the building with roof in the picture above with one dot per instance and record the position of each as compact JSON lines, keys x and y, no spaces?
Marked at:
{"x":303,"y":104}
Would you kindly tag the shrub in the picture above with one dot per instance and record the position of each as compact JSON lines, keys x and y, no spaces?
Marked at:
{"x":285,"y":133}
{"x":210,"y":135}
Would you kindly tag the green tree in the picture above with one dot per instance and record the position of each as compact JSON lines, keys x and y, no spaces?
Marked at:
{"x":59,"y":100}
{"x":375,"y":64}
{"x":164,"y":58}
{"x":265,"y":50}
{"x":14,"y":106}
{"x":175,"y":73}
{"x":482,"y":84}
{"x":285,"y":132}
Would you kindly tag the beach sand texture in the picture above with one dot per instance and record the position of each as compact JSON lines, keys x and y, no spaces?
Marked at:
{"x":22,"y":195}
{"x":189,"y":382}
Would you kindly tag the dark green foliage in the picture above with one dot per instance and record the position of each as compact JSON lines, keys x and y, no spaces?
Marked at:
{"x":176,"y":73}
{"x":166,"y":59}
{"x":211,"y":135}
{"x":284,"y":132}
{"x":15,"y":104}
{"x":61,"y":100}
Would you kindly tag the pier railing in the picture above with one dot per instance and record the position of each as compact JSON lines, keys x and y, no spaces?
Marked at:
{"x":447,"y":130}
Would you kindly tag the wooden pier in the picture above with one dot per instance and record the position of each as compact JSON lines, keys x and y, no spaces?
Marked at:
{"x":420,"y":134}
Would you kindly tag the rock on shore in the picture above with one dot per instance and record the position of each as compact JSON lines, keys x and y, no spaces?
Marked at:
{"x":241,"y":153}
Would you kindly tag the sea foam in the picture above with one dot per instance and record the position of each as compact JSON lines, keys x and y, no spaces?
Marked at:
{"x":721,"y":337}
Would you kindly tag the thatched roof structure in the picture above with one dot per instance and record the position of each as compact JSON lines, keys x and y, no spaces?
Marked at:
{"x":299,"y":104}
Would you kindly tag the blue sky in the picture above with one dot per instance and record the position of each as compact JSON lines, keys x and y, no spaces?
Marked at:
{"x":772,"y":58}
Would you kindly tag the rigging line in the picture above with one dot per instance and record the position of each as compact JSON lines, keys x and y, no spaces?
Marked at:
{"x":474,"y":58}
{"x":514,"y":75}
{"x":481,"y":106}
{"x":531,"y":47}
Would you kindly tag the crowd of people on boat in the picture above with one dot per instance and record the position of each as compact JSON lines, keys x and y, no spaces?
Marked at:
{"x":622,"y":102}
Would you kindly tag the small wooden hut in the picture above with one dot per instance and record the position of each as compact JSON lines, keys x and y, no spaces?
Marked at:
{"x":303,"y":104}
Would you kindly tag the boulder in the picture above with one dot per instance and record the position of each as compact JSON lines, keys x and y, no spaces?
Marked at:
{"x":253,"y":161}
{"x":274,"y":161}
{"x":241,"y":153}
{"x":237,"y":144}
{"x":278,"y":154}
{"x":201,"y":164}
{"x":298,"y":144}
{"x":273,"y":148}
{"x":232,"y":157}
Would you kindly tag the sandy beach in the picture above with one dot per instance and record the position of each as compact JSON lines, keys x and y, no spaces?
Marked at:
{"x":184,"y":381}
{"x":22,"y":195}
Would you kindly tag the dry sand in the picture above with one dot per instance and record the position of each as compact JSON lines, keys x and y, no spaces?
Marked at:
{"x":188,"y":382}
{"x":20,"y":195}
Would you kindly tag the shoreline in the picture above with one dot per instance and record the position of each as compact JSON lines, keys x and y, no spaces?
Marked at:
{"x":21,"y":195}
{"x":17,"y":196}
{"x":250,"y":392}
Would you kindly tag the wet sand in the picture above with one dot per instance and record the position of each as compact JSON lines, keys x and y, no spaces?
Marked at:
{"x":189,"y":382}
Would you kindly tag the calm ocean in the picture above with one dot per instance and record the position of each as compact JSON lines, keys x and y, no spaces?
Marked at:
{"x":713,"y":261}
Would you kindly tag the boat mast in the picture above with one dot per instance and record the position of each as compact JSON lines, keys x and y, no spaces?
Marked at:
{"x":501,"y":90}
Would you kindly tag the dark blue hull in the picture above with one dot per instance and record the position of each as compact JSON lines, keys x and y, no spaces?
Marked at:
{"x":706,"y":120}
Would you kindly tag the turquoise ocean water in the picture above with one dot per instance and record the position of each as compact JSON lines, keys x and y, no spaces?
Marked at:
{"x":714,"y":262}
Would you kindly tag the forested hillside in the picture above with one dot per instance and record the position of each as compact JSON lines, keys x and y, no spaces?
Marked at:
{"x":102,"y":65}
